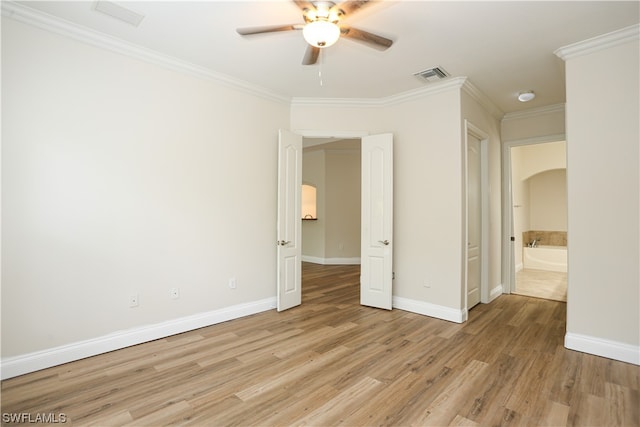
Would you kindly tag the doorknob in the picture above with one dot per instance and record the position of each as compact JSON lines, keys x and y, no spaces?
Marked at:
{"x":283,"y":242}
{"x":384,"y":242}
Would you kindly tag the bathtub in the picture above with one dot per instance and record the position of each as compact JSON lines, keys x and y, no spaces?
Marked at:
{"x":550,"y":258}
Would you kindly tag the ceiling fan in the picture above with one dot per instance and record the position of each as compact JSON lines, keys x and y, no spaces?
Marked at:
{"x":322,"y":27}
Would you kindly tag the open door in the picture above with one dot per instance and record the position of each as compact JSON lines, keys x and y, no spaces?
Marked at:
{"x":474,"y":221}
{"x":289,"y":280}
{"x":377,"y":221}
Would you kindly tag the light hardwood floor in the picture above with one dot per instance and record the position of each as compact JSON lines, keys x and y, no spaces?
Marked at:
{"x":333,"y":362}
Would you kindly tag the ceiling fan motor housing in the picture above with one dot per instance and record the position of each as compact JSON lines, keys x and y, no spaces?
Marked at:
{"x":323,"y":11}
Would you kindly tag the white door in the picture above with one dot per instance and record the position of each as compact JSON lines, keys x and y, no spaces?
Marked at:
{"x":474,"y":220}
{"x":377,"y":221}
{"x":289,"y":226}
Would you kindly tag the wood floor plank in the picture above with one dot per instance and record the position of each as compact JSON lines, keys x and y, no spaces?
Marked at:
{"x":443,"y":409}
{"x":332,"y":361}
{"x":342,"y":405}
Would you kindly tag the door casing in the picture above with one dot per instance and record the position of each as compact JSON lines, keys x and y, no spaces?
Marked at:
{"x":471,"y":129}
{"x":305,"y":133}
{"x":508,"y":259}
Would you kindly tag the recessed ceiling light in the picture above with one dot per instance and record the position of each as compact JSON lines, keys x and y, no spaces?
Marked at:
{"x":526,"y":96}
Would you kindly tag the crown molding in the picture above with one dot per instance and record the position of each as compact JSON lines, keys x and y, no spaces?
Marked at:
{"x":27,"y":15}
{"x":462,"y":83}
{"x":535,"y":112}
{"x":337,"y":102}
{"x":443,"y":86}
{"x":430,"y":90}
{"x":482,"y":99}
{"x":594,"y":44}
{"x":47,"y":22}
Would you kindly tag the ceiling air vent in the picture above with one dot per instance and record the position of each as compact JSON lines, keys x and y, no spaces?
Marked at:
{"x":432,"y":74}
{"x":119,"y":12}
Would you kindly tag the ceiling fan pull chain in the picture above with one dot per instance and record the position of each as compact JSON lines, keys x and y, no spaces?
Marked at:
{"x":321,"y":60}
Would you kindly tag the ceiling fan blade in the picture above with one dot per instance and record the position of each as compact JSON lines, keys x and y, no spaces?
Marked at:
{"x":268,"y":29}
{"x":311,"y":55}
{"x":303,"y":4}
{"x":373,"y":40}
{"x":350,"y":7}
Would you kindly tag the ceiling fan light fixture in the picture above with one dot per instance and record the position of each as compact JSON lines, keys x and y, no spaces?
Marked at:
{"x":321,"y":33}
{"x":526,"y":96}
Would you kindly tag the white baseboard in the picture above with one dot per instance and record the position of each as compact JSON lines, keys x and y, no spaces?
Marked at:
{"x":495,"y":292}
{"x":601,"y":347}
{"x":431,"y":310}
{"x":31,"y":362}
{"x":331,"y":261}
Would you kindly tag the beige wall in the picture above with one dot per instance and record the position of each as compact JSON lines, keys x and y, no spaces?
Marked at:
{"x":343,"y":204}
{"x":537,"y":158}
{"x":538,"y":180}
{"x":122,"y":177}
{"x":534,"y":123}
{"x":313,"y":232}
{"x":548,"y":200}
{"x":335,"y":236}
{"x":603,"y":193}
{"x":428,"y":208}
{"x":480,"y":116}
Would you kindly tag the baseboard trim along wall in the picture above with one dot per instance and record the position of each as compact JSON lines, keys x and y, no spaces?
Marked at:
{"x":601,"y":347}
{"x":23,"y":364}
{"x":431,"y":310}
{"x":496,"y":292}
{"x":331,"y":261}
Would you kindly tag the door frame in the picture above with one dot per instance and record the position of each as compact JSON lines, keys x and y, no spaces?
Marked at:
{"x":330,"y":134}
{"x":471,"y":129}
{"x":508,"y":260}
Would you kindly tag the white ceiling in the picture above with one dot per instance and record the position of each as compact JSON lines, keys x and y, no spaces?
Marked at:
{"x":503,"y":47}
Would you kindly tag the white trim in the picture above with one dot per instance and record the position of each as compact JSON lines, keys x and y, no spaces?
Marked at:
{"x":471,"y":129}
{"x":462,"y":83}
{"x":328,"y":134}
{"x":594,"y":44}
{"x":559,"y":137}
{"x":31,"y":362}
{"x":431,"y":310}
{"x":445,"y":85}
{"x":496,"y":292}
{"x":605,"y":348}
{"x":331,"y":261}
{"x":47,"y":22}
{"x":482,"y":99}
{"x":535,"y":112}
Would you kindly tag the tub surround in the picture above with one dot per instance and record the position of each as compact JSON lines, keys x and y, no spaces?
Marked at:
{"x":546,"y":238}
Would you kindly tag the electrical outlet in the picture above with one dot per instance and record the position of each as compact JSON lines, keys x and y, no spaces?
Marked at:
{"x":134,"y":301}
{"x":174,"y":293}
{"x":233,"y":283}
